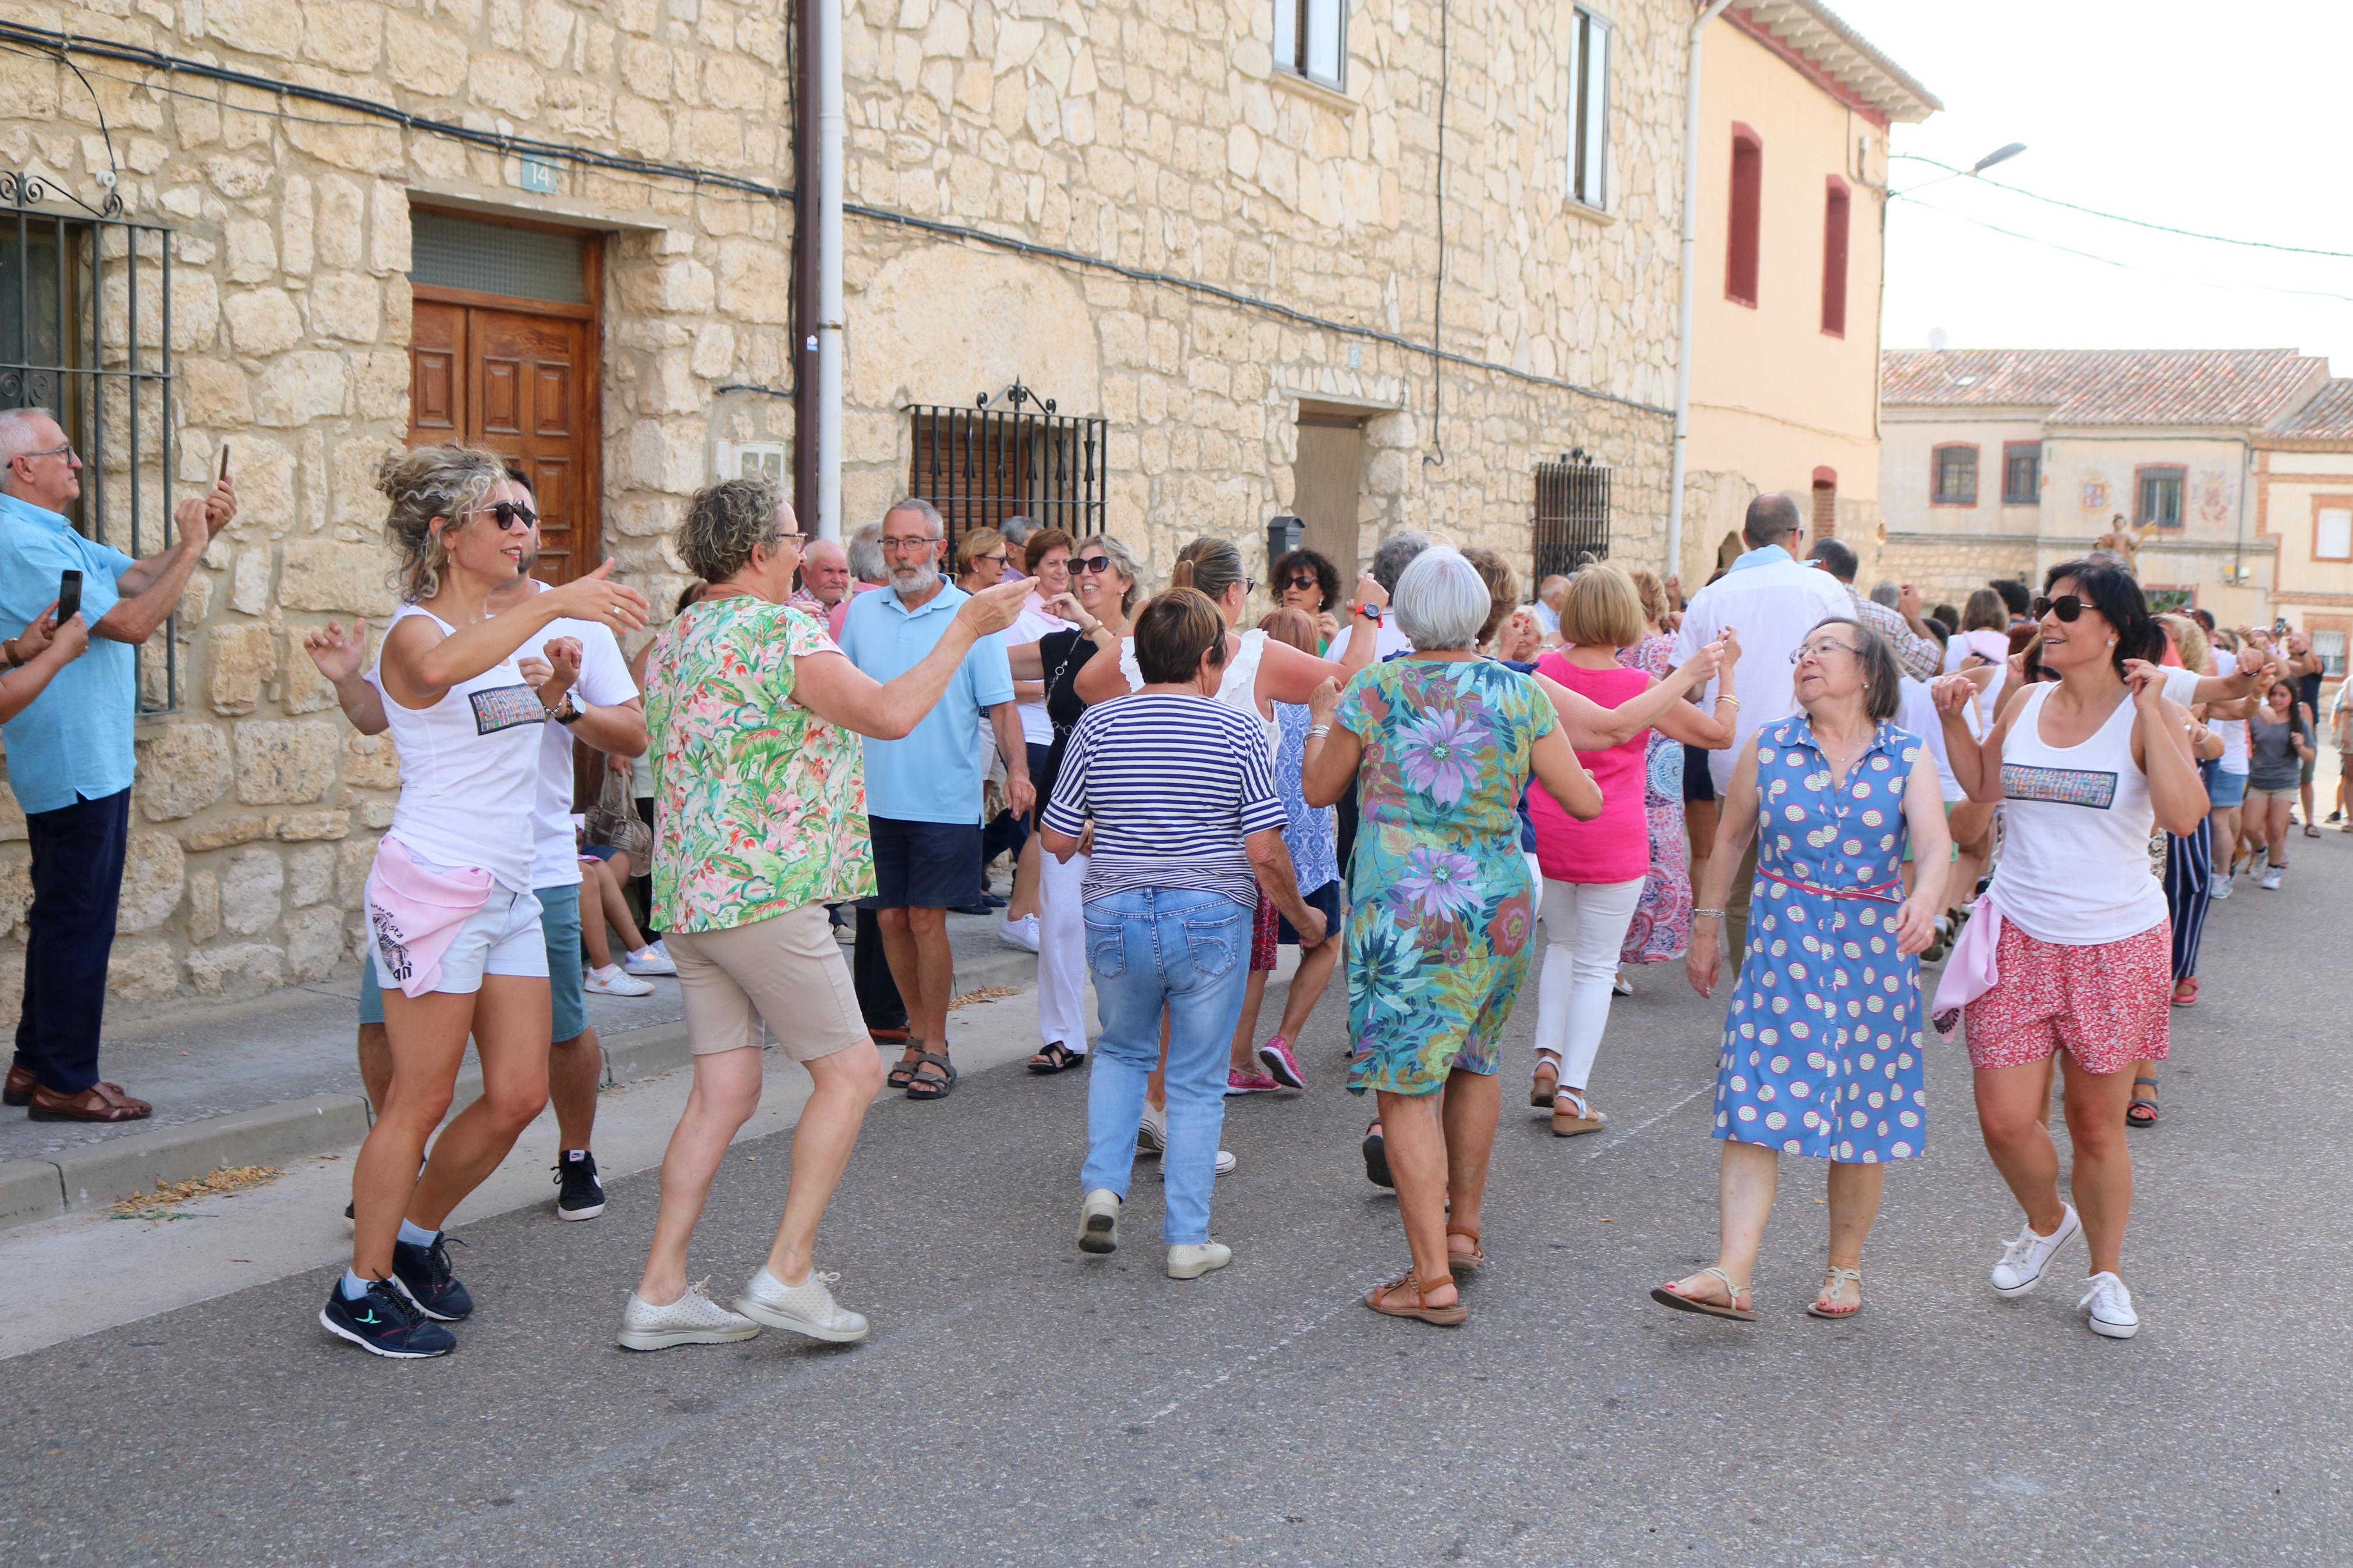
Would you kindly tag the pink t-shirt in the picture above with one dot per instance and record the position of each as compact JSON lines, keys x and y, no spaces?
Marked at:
{"x":1615,"y":846}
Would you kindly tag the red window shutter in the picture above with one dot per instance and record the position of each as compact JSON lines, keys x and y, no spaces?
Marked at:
{"x":1837,"y":209}
{"x":1747,"y":215}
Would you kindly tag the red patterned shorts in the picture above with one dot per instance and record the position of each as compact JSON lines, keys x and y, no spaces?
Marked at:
{"x":1262,"y":932}
{"x":2109,"y":1004}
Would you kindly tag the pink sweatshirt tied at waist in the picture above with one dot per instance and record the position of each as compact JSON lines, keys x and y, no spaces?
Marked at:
{"x":416,"y":911}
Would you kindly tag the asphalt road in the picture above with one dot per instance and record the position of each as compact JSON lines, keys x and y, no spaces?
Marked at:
{"x":1019,"y":1405}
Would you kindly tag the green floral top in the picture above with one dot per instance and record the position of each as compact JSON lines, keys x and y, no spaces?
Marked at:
{"x":759,"y":804}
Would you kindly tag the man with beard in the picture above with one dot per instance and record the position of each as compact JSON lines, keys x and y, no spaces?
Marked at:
{"x":921,"y":790}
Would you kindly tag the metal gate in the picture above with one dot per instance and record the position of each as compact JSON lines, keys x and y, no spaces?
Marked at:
{"x":982,"y":465}
{"x":86,"y":332}
{"x":1571,"y":521}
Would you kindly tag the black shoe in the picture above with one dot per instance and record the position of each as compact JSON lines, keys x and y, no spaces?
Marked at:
{"x":351,"y":1217}
{"x":384,"y":1322}
{"x":1376,"y":1161}
{"x":580,"y":1196}
{"x":971,"y":910}
{"x":423,"y":1275}
{"x":2335,"y":816}
{"x":993,"y":902}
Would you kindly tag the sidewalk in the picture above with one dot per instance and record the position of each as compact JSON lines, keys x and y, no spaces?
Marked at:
{"x":273,"y":1078}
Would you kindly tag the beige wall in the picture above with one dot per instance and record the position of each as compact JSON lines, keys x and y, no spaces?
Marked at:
{"x":1774,"y":396}
{"x":2292,"y":487}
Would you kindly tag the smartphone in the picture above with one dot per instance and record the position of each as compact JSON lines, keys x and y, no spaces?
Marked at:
{"x":224,"y":468}
{"x":2279,"y":625}
{"x":68,"y":595}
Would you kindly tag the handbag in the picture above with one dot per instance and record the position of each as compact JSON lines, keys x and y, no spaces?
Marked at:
{"x":614,"y":820}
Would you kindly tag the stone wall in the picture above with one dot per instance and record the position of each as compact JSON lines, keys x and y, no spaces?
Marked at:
{"x":1949,"y":566}
{"x":1154,"y":135}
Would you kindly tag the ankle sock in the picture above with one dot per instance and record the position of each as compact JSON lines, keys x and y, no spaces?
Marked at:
{"x":353,"y":1286}
{"x":415,"y":1236}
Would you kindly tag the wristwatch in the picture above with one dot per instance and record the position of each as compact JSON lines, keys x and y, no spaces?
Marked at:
{"x":565,"y":713}
{"x":1372,"y":613}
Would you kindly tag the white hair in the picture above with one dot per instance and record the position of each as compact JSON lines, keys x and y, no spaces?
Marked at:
{"x":17,"y":435}
{"x":1441,"y":601}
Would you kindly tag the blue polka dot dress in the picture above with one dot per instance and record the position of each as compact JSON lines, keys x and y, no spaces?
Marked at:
{"x":1822,"y":1049}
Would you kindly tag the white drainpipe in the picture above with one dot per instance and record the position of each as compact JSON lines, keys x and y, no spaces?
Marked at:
{"x":1684,"y":309}
{"x":828,"y":269}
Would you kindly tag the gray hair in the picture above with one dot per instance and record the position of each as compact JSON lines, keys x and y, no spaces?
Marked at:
{"x":923,"y":508}
{"x":1770,"y":518}
{"x":1886,"y":591}
{"x":16,"y":436}
{"x":1397,"y":552}
{"x":1441,"y":602}
{"x":1016,"y":529}
{"x":725,"y":522}
{"x":1123,"y":561}
{"x":866,"y":554}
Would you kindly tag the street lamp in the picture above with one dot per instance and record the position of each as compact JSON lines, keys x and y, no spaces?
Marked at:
{"x":1998,"y":155}
{"x":2002,"y":155}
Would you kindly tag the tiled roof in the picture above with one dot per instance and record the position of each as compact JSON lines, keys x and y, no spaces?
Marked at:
{"x":2328,"y":417}
{"x":2107,"y":386}
{"x":1820,"y":36}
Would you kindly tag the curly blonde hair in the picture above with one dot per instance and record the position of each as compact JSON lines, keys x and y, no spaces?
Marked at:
{"x":448,"y":482}
{"x":725,"y":522}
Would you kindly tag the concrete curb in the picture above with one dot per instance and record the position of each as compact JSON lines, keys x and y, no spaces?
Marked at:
{"x":35,"y":1190}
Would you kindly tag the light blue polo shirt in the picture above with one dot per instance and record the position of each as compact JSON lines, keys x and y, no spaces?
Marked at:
{"x":75,"y":739}
{"x":934,"y":774}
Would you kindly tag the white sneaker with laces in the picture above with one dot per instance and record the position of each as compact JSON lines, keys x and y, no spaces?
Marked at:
{"x":2025,"y":1259}
{"x":1193,"y":1260}
{"x":610,"y":981}
{"x":2270,"y":884}
{"x":651,"y":959}
{"x":1021,"y":933}
{"x":2111,"y":1308}
{"x":808,"y":1307}
{"x":694,"y":1318}
{"x":2221,"y":887}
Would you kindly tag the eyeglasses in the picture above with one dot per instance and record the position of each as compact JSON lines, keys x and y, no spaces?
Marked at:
{"x":914,"y":542}
{"x":792,"y":537}
{"x":2066,"y":606}
{"x":1091,"y":563}
{"x":66,"y":451}
{"x":998,"y":558}
{"x":1249,"y":584}
{"x":1819,"y":650}
{"x":1305,"y":583}
{"x":509,"y":513}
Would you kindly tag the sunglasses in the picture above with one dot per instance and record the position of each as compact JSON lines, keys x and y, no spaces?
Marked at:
{"x":511,"y":513}
{"x":1305,"y":585}
{"x":1091,"y":563}
{"x":2066,"y":606}
{"x":998,"y":558}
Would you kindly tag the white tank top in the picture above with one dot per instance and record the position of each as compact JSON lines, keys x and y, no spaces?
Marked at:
{"x":468,"y":770}
{"x":2075,"y":867}
{"x":2234,"y":744}
{"x":1237,"y":690}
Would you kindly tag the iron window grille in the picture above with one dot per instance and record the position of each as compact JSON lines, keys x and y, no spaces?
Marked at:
{"x":2021,"y":473}
{"x":1006,"y":457}
{"x":1956,"y":476}
{"x":1571,"y":517}
{"x":2160,"y":497}
{"x":86,"y":332}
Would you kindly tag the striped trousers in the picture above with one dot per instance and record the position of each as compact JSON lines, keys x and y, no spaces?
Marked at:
{"x":2189,"y":890}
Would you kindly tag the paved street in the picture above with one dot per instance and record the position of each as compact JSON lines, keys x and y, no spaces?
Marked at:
{"x":1019,"y":1405}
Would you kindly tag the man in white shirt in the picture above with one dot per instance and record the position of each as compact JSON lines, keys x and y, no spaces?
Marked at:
{"x":1773,"y":602}
{"x":1551,"y":594}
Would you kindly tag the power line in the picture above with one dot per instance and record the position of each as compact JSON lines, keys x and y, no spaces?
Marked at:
{"x":2135,"y":222}
{"x":2126,"y":265}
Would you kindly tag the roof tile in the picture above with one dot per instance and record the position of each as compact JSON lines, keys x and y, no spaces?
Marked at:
{"x":2108,"y":386}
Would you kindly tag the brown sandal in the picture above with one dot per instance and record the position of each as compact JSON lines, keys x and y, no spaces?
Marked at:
{"x":1464,"y":1262}
{"x":1545,"y":1084}
{"x":1383,"y":1300}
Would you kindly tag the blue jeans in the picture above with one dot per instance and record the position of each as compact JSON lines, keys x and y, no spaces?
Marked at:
{"x":1188,"y":951}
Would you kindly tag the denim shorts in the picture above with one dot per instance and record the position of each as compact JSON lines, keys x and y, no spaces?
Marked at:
{"x":2225,"y":790}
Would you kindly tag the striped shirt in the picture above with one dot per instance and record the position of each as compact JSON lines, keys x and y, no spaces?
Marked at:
{"x":1171,"y":783}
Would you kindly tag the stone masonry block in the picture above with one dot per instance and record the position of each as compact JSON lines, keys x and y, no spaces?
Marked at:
{"x":283,"y":762}
{"x":321,"y":574}
{"x":243,"y":659}
{"x":155,"y":874}
{"x":184,"y":769}
{"x":251,"y":890}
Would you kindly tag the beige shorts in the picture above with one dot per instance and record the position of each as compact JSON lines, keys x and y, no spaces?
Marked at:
{"x":786,"y":970}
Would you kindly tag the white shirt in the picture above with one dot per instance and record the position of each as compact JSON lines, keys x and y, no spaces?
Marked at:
{"x":467,"y":769}
{"x":1391,"y":640}
{"x":602,"y":682}
{"x":1031,"y":624}
{"x":1547,"y":618}
{"x":1772,"y":604}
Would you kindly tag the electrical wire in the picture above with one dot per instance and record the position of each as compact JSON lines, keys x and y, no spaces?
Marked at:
{"x":2127,"y":265}
{"x":1436,"y":456}
{"x":2119,"y":217}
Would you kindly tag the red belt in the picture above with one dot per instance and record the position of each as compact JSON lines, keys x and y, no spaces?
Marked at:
{"x":1834,"y":892}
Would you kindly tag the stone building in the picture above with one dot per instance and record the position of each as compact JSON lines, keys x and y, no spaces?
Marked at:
{"x":1227,"y":238}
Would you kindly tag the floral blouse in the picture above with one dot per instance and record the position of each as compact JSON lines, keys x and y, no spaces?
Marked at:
{"x":759,"y":804}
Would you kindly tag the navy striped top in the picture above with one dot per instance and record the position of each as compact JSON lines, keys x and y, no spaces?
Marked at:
{"x":1171,"y":783}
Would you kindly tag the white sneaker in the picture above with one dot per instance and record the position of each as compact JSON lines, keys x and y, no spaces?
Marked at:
{"x":1099,"y":1222}
{"x":1196,"y":1259}
{"x":1021,"y":933}
{"x":651,"y":959}
{"x":2221,"y":889}
{"x":694,"y":1318}
{"x":610,"y":982}
{"x":2111,"y":1315}
{"x":2024,"y":1260}
{"x":806,"y":1308}
{"x":1152,"y":1134}
{"x":1619,"y":984}
{"x":2270,"y":884}
{"x":1226,"y":1162}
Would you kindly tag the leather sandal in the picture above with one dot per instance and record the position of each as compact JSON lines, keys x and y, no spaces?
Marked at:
{"x":935,"y":1077}
{"x":1835,"y":1284}
{"x":1571,"y":1115}
{"x":1545,"y":1084}
{"x":21,"y":1084}
{"x":1728,"y":1307}
{"x":99,"y":1102}
{"x":1469,"y":1262}
{"x":902,"y":1071}
{"x":1387,"y":1300}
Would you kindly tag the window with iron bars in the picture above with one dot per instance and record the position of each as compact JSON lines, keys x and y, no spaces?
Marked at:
{"x":86,"y":332}
{"x":1007,"y":456}
{"x":1571,"y":516}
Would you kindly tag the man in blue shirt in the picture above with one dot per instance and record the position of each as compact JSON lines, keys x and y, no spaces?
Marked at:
{"x":922,"y":793}
{"x":70,"y":755}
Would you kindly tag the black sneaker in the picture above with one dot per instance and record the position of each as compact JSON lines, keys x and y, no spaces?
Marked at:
{"x":351,"y":1217}
{"x":422,"y":1273}
{"x":384,"y":1322}
{"x":579,"y":1194}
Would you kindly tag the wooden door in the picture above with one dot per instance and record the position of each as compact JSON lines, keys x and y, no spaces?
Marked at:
{"x":522,"y":382}
{"x":1327,"y":483}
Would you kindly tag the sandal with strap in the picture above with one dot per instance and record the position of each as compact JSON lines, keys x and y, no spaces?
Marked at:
{"x":2140,"y":1111}
{"x":1469,"y":1262}
{"x":1729,"y":1308}
{"x":1056,"y":1057}
{"x":1571,"y":1115}
{"x":1386,"y":1301}
{"x":1545,"y":1084}
{"x":935,"y":1077}
{"x":902,"y":1071}
{"x":1834,"y":1285}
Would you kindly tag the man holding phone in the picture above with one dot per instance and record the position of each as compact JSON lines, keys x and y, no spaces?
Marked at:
{"x":70,"y":752}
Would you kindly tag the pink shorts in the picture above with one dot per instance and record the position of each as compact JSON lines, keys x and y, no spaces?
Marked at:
{"x":2109,"y":1003}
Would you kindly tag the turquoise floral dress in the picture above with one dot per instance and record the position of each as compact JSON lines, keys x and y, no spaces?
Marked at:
{"x":1438,"y":936}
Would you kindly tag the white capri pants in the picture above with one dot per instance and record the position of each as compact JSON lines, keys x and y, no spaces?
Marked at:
{"x":1062,"y":953}
{"x":1584,"y":926}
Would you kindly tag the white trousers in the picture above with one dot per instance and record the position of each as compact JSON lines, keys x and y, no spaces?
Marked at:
{"x":1584,"y":925}
{"x":1061,"y":951}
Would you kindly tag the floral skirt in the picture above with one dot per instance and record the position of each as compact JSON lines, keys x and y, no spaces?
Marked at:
{"x":1438,"y":949}
{"x":1661,"y":929}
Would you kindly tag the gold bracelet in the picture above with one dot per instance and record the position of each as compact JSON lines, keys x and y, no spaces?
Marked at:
{"x":1734,"y":701}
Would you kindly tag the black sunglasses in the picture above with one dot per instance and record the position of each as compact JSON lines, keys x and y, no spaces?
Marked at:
{"x":1306,"y":583}
{"x":1091,"y":563}
{"x":2066,"y":606}
{"x":509,"y":512}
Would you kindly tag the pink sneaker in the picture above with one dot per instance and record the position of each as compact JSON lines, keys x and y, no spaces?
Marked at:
{"x":1240,"y":1082}
{"x":1280,"y":1065}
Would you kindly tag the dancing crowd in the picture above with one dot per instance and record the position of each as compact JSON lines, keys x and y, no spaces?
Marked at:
{"x":1798,"y":789}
